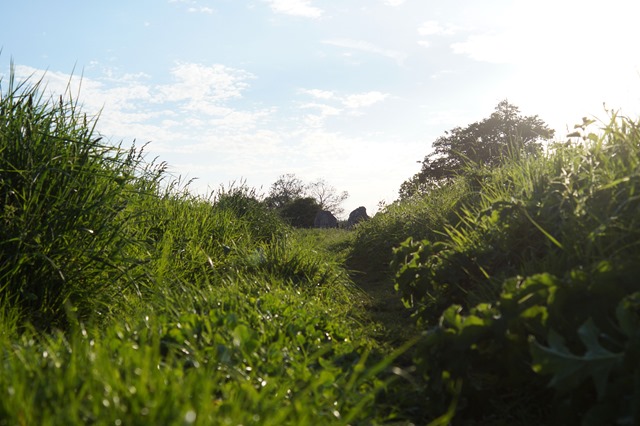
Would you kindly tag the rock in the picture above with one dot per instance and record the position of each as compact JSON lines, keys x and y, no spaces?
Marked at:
{"x":324,"y":219}
{"x":358,"y":215}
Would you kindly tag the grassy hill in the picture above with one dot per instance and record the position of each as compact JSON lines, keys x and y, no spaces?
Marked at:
{"x":509,"y":296}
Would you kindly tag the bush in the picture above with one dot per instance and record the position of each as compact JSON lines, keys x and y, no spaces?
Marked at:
{"x":568,"y":223}
{"x":416,"y":217}
{"x":547,"y":345}
{"x":300,"y":212}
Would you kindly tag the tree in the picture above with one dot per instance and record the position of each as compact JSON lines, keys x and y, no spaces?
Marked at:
{"x":285,"y":190}
{"x":300,"y":212}
{"x":288,"y":189}
{"x":327,"y":196}
{"x":505,"y":134}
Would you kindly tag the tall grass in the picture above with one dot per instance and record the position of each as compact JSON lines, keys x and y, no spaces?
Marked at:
{"x":418,"y":217}
{"x":224,"y":314}
{"x":64,"y":208}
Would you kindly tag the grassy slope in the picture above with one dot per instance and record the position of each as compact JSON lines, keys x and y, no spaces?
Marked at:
{"x":137,"y":304}
{"x":123,"y":302}
{"x":529,"y":295}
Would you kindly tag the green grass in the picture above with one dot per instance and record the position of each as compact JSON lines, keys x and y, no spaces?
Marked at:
{"x":509,"y":296}
{"x":127,"y":300}
{"x":65,"y":244}
{"x":538,"y":269}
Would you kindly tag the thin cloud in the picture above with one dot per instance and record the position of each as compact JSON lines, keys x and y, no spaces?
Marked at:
{"x":351,"y":101}
{"x":363,"y":100}
{"x":333,"y":104}
{"x":365,"y":46}
{"x":204,"y":88}
{"x":394,"y":3}
{"x":206,"y":10}
{"x":324,"y":111}
{"x":435,"y":28}
{"x":320,"y":94}
{"x":303,"y":8}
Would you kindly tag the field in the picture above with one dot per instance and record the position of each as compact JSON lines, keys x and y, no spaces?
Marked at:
{"x":508,"y":296}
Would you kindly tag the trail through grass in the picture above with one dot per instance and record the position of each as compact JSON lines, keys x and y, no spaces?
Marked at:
{"x":125,"y":299}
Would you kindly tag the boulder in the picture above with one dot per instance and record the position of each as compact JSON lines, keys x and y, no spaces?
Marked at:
{"x":324,"y":219}
{"x":358,"y":215}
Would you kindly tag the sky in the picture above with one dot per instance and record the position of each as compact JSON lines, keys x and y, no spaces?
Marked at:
{"x":350,"y":91}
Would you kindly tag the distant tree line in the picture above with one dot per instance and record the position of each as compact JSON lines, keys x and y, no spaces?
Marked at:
{"x":299,"y":203}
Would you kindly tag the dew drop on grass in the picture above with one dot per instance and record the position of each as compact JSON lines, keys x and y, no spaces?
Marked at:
{"x":190,"y":416}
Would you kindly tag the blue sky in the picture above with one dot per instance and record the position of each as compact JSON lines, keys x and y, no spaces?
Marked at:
{"x":351,"y":91}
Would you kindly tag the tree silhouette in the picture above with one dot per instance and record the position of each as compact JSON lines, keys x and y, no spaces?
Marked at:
{"x":285,"y":190}
{"x":505,"y":134}
{"x":288,"y":190}
{"x":300,"y":212}
{"x":327,"y":196}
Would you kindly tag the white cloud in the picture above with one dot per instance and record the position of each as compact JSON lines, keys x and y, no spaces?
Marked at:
{"x":325,"y":110}
{"x":203,"y":88}
{"x":334,"y":104}
{"x":351,"y":101}
{"x":435,"y":28}
{"x":205,"y":9}
{"x":394,"y":2}
{"x":320,"y":94}
{"x":365,"y":46}
{"x":317,"y":120}
{"x":364,"y":99}
{"x":198,"y":97}
{"x":302,"y":8}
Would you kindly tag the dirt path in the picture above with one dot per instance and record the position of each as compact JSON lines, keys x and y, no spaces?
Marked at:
{"x":386,"y":309}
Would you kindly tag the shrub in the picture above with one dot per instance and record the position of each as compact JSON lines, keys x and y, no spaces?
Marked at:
{"x":416,"y":217}
{"x":300,"y":212}
{"x":568,"y":223}
{"x":547,"y":345}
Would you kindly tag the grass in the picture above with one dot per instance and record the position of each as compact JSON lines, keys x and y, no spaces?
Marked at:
{"x":65,"y":193}
{"x":541,"y":257}
{"x":125,"y":299}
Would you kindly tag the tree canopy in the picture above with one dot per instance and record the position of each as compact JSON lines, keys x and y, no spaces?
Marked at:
{"x":285,"y":190}
{"x":300,"y":212}
{"x":505,"y":134}
{"x":298,"y":202}
{"x":327,"y":196}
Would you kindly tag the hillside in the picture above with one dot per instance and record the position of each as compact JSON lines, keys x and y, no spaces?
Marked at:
{"x":507,"y":296}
